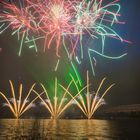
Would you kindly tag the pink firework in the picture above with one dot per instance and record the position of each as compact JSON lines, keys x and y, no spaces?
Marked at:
{"x":20,"y":20}
{"x":56,"y":21}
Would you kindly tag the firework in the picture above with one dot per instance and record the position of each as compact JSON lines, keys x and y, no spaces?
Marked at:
{"x":95,"y":20}
{"x":89,"y":102}
{"x":61,"y":21}
{"x":19,"y":19}
{"x":56,"y":22}
{"x":58,"y":102}
{"x":19,"y":106}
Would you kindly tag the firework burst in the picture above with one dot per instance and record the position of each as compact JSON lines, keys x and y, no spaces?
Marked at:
{"x":61,"y":21}
{"x":56,"y":22}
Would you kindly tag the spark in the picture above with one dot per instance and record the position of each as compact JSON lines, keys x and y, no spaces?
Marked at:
{"x":57,"y":64}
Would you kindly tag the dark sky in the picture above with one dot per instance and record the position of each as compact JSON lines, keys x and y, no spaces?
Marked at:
{"x":31,"y":67}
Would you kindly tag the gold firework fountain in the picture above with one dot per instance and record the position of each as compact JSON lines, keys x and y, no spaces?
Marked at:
{"x":18,"y":106}
{"x":89,"y":102}
{"x":56,"y":103}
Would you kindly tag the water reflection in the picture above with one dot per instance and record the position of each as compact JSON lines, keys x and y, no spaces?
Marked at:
{"x":64,"y":130}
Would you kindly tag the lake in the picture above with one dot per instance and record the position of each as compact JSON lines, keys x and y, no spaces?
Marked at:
{"x":44,"y":129}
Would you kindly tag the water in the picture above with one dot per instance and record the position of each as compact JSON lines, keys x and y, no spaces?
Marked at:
{"x":29,"y":129}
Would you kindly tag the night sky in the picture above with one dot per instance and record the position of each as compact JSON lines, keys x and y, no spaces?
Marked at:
{"x":33,"y":67}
